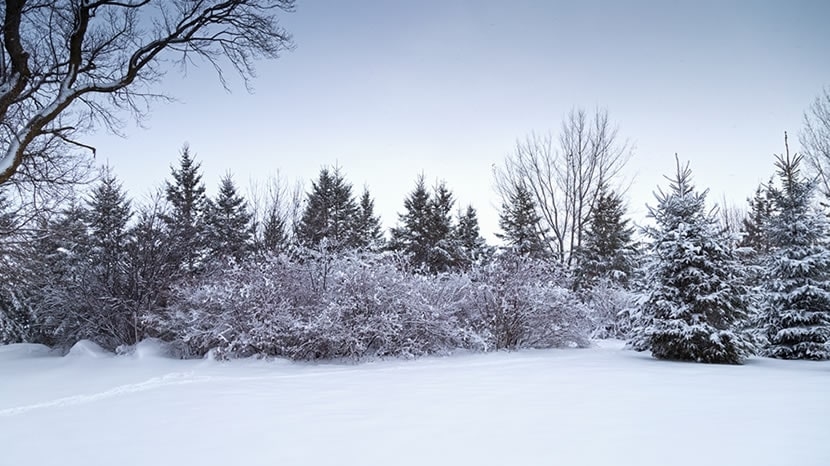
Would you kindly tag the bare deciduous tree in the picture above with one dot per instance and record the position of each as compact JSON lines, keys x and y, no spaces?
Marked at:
{"x":565,"y":174}
{"x":815,"y":139}
{"x":67,"y":66}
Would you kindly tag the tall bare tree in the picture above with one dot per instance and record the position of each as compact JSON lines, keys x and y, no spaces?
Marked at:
{"x":67,"y":66}
{"x":565,"y":174}
{"x":815,"y":139}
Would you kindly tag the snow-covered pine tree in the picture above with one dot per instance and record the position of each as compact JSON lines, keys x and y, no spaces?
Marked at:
{"x":185,"y":220}
{"x":367,"y":226}
{"x":228,"y":224}
{"x":521,"y":225}
{"x":607,"y":251}
{"x":796,"y":315}
{"x":695,"y":298}
{"x":472,"y":246}
{"x":17,"y":319}
{"x":329,"y":217}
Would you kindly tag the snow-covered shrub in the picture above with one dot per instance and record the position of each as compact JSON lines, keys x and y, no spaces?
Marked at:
{"x":368,"y":307}
{"x":610,"y":308}
{"x":243,"y":310}
{"x":522,"y":303}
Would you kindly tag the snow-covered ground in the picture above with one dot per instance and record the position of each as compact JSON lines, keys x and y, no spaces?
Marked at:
{"x":600,"y":406}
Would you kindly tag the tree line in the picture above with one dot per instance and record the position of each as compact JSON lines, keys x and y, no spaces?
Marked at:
{"x":313,"y":275}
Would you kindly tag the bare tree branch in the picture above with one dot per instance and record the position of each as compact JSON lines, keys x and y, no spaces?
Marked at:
{"x":67,"y":66}
{"x":815,"y":139}
{"x":566,"y":180}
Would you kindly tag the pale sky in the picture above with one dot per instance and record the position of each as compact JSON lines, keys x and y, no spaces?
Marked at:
{"x":390,"y":89}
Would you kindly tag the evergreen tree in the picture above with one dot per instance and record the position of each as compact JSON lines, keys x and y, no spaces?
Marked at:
{"x":17,"y":318}
{"x":796,"y":318}
{"x":607,"y":251}
{"x":425,"y":231}
{"x":754,"y":225}
{"x":445,"y":253}
{"x":367,"y":227}
{"x":61,"y":256}
{"x":108,"y":214}
{"x":412,"y":237}
{"x":228,"y":223}
{"x":150,"y":270}
{"x":103,"y":292}
{"x":520,"y":224}
{"x":274,"y":234}
{"x":328,"y":220}
{"x":473,"y":247}
{"x":695,"y":301}
{"x":185,"y":221}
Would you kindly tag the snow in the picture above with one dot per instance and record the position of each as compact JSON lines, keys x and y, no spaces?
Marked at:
{"x":597,"y":406}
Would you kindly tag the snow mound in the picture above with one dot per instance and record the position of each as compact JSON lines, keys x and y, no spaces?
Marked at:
{"x":88,"y":350}
{"x":23,"y":351}
{"x":150,"y":348}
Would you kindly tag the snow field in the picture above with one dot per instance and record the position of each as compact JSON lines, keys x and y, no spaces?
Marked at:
{"x":599,"y":406}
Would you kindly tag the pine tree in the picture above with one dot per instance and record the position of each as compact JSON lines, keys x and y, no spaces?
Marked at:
{"x":472,"y":246}
{"x":520,"y":224}
{"x":412,"y":236}
{"x":328,"y":220}
{"x":445,"y":253}
{"x":367,"y":227}
{"x":754,"y":225}
{"x":150,"y":268}
{"x":17,"y":317}
{"x":424,"y":232}
{"x":185,"y":221}
{"x":228,"y":223}
{"x":274,"y":234}
{"x":61,"y":256}
{"x":104,"y":291}
{"x":108,"y":214}
{"x":607,"y":251}
{"x":796,"y":318}
{"x":695,"y":299}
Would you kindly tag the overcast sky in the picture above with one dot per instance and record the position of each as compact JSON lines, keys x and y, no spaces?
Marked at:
{"x":388,"y":89}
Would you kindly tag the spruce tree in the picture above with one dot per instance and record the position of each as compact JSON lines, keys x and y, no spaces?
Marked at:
{"x":445,"y":253}
{"x":472,"y":246}
{"x":109,"y":212}
{"x":228,"y":223}
{"x":755,"y":224}
{"x":104,"y":290}
{"x":274,"y":234}
{"x":425,"y":230}
{"x":607,"y":251}
{"x":695,"y":301}
{"x":17,"y":317}
{"x":796,"y":317}
{"x":369,"y":234}
{"x":412,"y":236}
{"x":151,"y":270}
{"x":328,"y":220}
{"x":185,"y":221}
{"x":520,"y":223}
